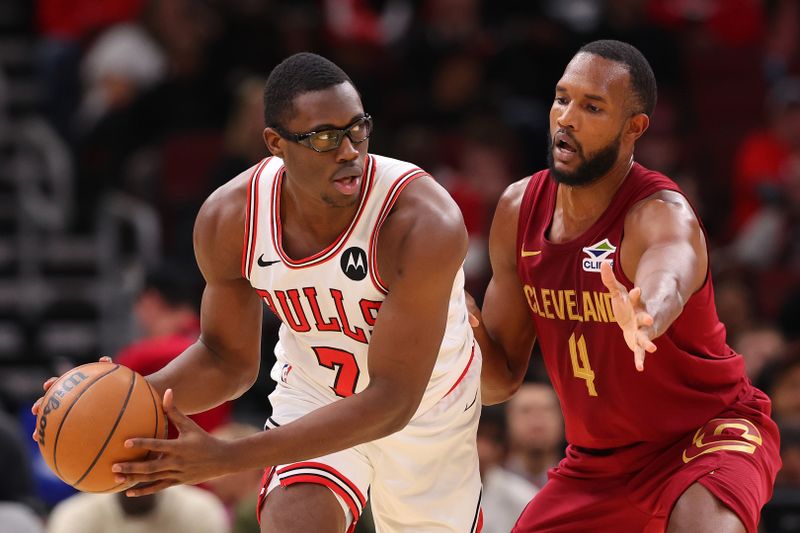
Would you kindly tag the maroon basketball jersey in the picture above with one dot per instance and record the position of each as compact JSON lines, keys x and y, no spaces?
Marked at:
{"x":692,"y":376}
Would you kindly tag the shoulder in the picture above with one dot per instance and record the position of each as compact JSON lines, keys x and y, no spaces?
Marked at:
{"x":426,"y":212}
{"x":220,"y":226}
{"x":661,"y":205}
{"x":511,"y":199}
{"x":424,"y":230}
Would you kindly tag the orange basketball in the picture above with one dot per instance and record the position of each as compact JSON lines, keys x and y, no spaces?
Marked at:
{"x":87,"y":415}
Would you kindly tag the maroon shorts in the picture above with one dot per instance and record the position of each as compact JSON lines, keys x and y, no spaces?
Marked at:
{"x":735,"y":456}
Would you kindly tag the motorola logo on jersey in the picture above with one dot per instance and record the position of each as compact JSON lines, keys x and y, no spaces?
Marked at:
{"x":354,"y":263}
{"x":598,"y":252}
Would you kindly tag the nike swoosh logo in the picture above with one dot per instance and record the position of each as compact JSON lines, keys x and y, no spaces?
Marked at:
{"x":263,"y":263}
{"x":472,"y":403}
{"x":525,"y":253}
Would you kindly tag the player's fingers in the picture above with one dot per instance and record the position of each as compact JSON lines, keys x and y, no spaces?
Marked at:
{"x":635,"y":296}
{"x":35,"y":435}
{"x":638,"y":358}
{"x":609,"y":280}
{"x":644,"y":342}
{"x":181,"y":421}
{"x":105,"y":359}
{"x":644,"y":319}
{"x":49,"y":383}
{"x":156,"y":445}
{"x":36,"y":406}
{"x":159,"y":467}
{"x":151,"y":489}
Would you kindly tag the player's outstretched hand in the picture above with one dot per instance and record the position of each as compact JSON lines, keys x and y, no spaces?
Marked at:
{"x":635,"y":322}
{"x":193,"y":457}
{"x":46,"y":386}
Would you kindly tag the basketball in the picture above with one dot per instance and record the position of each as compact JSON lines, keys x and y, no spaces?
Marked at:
{"x":87,"y":415}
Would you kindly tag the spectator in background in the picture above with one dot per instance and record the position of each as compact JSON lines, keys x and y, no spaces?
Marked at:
{"x":784,"y":388}
{"x":169,"y":321}
{"x":762,"y":157}
{"x":180,"y":509}
{"x":760,"y":345}
{"x":535,"y":432}
{"x":16,"y":483}
{"x":243,"y":146}
{"x":121,"y":63}
{"x":505,"y":494}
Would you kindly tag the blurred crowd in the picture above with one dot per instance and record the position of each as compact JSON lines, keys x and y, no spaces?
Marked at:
{"x":148,"y":105}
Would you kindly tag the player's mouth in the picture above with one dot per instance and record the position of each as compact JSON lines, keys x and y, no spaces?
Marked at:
{"x":348,"y":181}
{"x":565,"y":149}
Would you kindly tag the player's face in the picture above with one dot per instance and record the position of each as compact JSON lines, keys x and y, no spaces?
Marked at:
{"x":334,"y":176}
{"x":587,"y":119}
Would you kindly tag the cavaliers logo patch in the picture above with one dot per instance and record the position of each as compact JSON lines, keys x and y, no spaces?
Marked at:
{"x":354,"y":263}
{"x":723,"y":434}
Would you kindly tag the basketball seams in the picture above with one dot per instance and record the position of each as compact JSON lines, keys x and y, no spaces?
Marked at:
{"x":66,"y":414}
{"x":113,"y":429}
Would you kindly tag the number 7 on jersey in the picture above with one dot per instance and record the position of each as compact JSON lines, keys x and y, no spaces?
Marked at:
{"x":347,"y":371}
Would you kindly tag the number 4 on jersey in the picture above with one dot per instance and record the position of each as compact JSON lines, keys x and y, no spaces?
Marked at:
{"x":580,"y":362}
{"x":344,"y":363}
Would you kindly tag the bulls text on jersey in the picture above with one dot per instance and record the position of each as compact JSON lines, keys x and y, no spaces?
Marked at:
{"x":300,"y":312}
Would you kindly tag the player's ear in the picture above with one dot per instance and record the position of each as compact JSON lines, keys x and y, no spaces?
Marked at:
{"x":273,"y":141}
{"x":637,"y":125}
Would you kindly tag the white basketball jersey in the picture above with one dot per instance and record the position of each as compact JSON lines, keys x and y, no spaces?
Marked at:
{"x":328,"y":303}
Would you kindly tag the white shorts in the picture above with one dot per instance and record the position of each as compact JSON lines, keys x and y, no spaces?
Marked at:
{"x":422,"y":478}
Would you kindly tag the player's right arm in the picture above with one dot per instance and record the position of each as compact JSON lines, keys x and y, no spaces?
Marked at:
{"x":505,"y":331}
{"x":224,"y":361}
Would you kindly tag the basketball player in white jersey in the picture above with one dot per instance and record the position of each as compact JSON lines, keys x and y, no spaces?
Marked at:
{"x":377,"y":373}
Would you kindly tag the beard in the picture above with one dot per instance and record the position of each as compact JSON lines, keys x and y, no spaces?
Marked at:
{"x":591,"y":169}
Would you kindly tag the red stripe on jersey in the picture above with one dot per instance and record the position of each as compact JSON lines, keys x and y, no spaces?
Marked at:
{"x":391,"y":198}
{"x":321,"y":480}
{"x":330,"y":470}
{"x":480,"y":522}
{"x":330,"y":251}
{"x":464,"y":372}
{"x":251,"y":219}
{"x":248,"y":221}
{"x":262,"y":493}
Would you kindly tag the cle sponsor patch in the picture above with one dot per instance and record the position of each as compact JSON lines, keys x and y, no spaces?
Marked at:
{"x":597,"y":253}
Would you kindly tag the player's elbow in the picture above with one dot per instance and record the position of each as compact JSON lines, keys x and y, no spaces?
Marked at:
{"x":397,"y":421}
{"x":491,"y":395}
{"x":395,"y":409}
{"x":240,"y":376}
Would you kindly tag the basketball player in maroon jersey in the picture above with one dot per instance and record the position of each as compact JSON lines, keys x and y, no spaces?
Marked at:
{"x":598,"y":257}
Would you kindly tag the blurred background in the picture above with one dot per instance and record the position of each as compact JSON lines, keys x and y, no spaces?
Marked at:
{"x":117,"y":119}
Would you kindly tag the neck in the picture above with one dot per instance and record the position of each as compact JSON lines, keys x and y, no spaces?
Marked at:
{"x":308,"y":220}
{"x":577,"y":208}
{"x":592,"y":200}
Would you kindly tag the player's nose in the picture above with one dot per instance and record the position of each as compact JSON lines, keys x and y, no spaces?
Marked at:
{"x":347,"y":151}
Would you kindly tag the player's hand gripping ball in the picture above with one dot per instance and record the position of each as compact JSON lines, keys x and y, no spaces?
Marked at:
{"x":85,"y":418}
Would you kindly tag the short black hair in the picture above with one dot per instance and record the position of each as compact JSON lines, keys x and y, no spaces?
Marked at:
{"x":295,"y":75}
{"x":642,"y":78}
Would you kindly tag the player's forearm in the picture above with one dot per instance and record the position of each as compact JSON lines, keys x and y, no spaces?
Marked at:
{"x":201,"y":379}
{"x":499,"y":381}
{"x":662,"y":298}
{"x":363,"y":417}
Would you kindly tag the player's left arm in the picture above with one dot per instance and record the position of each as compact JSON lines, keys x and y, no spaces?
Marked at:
{"x":426,"y":242}
{"x":664,"y":253}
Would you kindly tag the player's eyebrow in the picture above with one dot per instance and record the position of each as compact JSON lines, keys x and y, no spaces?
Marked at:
{"x":596,"y":97}
{"x":326,"y":126}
